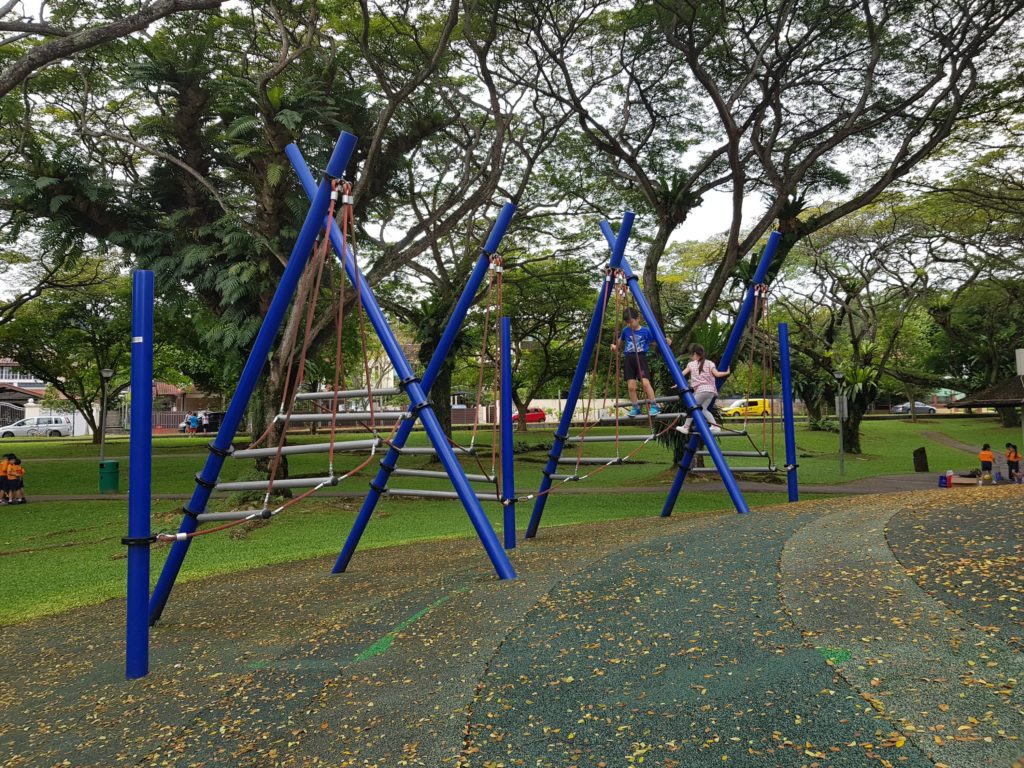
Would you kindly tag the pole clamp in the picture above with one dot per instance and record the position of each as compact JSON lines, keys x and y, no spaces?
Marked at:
{"x":389,"y":468}
{"x":205,"y":483}
{"x":404,"y":383}
{"x":555,"y":456}
{"x":559,"y":436}
{"x":137,"y":540}
{"x":188,"y":512}
{"x":414,"y":410}
{"x":225,"y":452}
{"x":632,"y":276}
{"x":378,"y":488}
{"x":790,"y":467}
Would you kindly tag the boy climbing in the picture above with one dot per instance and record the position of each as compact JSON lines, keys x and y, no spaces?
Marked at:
{"x":635,"y":340}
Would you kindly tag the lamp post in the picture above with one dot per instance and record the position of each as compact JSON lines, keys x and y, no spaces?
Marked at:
{"x":105,"y":376}
{"x":840,"y":414}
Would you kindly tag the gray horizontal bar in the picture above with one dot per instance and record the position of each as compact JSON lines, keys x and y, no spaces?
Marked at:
{"x":288,"y":450}
{"x":608,"y":438}
{"x":590,"y":460}
{"x":288,"y":482}
{"x":341,"y":394}
{"x":734,"y":470}
{"x":662,"y":399}
{"x":433,"y":452}
{"x":327,"y":418}
{"x":437,"y":494}
{"x":741,"y":454}
{"x":625,"y":421}
{"x":565,"y":477}
{"x":432,"y":473}
{"x":212,"y":517}
{"x":720,"y":433}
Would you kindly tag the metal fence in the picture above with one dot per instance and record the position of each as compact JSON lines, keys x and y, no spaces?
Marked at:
{"x":10,"y":413}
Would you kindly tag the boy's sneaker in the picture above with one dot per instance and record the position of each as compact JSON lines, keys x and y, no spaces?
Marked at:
{"x":655,"y":410}
{"x":715,"y":429}
{"x":634,"y":411}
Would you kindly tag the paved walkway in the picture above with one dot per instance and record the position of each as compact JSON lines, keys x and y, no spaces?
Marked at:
{"x":789,"y":637}
{"x":939,"y":437}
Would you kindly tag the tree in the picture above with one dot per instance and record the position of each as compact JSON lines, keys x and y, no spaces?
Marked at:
{"x":67,"y":336}
{"x":853,"y":289}
{"x":678,"y":99}
{"x":169,"y":149}
{"x":550,"y":303}
{"x":34,"y":43}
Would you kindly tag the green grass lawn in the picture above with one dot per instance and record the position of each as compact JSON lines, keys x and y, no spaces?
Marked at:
{"x":55,"y":467}
{"x":60,"y":554}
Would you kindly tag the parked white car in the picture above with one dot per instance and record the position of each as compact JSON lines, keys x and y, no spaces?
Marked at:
{"x":46,"y":426}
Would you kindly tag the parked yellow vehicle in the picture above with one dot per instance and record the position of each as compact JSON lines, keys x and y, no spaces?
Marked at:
{"x":755,"y":406}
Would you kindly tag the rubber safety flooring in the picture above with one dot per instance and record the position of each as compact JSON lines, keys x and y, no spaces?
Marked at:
{"x":877,"y":630}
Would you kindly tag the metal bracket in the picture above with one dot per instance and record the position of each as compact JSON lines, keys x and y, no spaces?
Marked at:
{"x":225,"y":452}
{"x":205,"y":483}
{"x":134,"y":540}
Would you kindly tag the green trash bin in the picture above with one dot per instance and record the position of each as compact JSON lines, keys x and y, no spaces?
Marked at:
{"x":109,"y":470}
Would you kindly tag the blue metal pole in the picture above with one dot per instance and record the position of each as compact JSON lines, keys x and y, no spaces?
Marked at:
{"x":731,"y":347}
{"x":221,"y":445}
{"x":508,"y":480}
{"x":415,"y":391}
{"x":140,"y":477}
{"x":787,"y":412}
{"x":562,"y":433}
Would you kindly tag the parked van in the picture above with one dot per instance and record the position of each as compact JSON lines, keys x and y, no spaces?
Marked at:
{"x":45,"y":426}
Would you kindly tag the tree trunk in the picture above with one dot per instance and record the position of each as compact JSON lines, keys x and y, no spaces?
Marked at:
{"x":521,"y":409}
{"x":1009,"y":416}
{"x":441,"y":397}
{"x":856,"y":408}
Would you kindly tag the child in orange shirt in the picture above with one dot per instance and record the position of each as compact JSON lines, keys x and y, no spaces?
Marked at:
{"x":1013,"y":462}
{"x":15,"y":483}
{"x":986,"y":457}
{"x":4,"y":461}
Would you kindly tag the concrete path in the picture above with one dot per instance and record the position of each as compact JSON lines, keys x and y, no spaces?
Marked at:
{"x":939,"y":437}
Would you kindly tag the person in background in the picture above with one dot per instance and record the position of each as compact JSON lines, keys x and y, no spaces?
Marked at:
{"x":1013,"y":463}
{"x":193,"y":424}
{"x":987,"y":459}
{"x":15,"y":482}
{"x":4,"y":460}
{"x":205,"y":418}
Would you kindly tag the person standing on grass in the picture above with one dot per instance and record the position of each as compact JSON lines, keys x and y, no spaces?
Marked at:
{"x":702,"y":374}
{"x":635,"y":340}
{"x":4,"y":460}
{"x":1012,"y":462}
{"x":206,"y":421}
{"x":15,"y":482}
{"x":193,"y":424}
{"x":987,"y":459}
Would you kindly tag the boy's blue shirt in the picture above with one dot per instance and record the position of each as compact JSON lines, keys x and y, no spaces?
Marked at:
{"x":643,"y":337}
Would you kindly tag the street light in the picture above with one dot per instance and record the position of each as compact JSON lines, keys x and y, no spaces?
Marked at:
{"x":840,"y":413}
{"x":105,"y":376}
